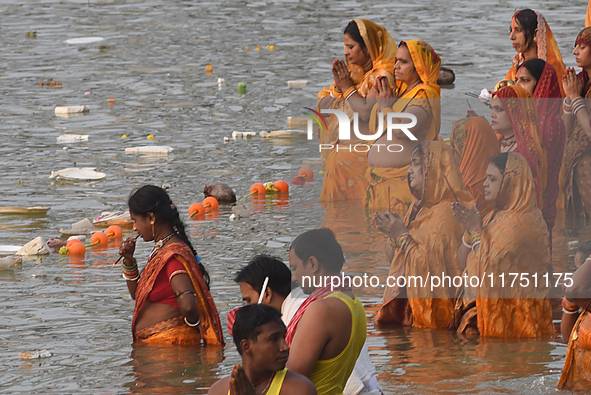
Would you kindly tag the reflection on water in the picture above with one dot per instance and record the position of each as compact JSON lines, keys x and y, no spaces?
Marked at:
{"x":152,"y":63}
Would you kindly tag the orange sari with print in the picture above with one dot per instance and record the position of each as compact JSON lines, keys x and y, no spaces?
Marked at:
{"x":344,"y":170}
{"x":436,"y":236}
{"x":174,"y":331}
{"x":514,"y":240}
{"x":526,"y":127}
{"x":577,"y":153}
{"x":473,"y":139}
{"x":576,"y":374}
{"x":425,"y":95}
{"x":547,"y":50}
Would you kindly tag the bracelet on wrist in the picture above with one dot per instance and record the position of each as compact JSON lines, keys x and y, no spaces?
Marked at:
{"x":569,"y":306}
{"x":130,"y":278}
{"x":476,"y":243}
{"x":466,"y":244}
{"x":193,"y":325}
{"x":475,"y":235}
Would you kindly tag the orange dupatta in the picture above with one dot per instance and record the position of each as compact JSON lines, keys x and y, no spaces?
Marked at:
{"x":475,"y":142}
{"x":345,"y":169}
{"x":425,"y":95}
{"x":514,"y":240}
{"x":436,"y":236}
{"x":382,"y":50}
{"x":526,"y":127}
{"x":210,"y":326}
{"x":547,"y":50}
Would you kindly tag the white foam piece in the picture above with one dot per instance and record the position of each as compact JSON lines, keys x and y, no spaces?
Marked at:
{"x":150,"y":149}
{"x":78,"y":173}
{"x":72,"y":138}
{"x":297,"y":83}
{"x":84,"y":40}
{"x":71,"y":109}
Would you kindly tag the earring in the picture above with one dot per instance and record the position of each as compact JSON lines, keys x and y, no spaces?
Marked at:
{"x":153,"y":234}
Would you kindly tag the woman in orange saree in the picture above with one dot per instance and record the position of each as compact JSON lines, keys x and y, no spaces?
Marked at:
{"x":417,"y":93}
{"x":426,"y":242}
{"x":532,"y":38}
{"x":512,"y":240}
{"x":474,"y":143}
{"x":577,"y":153}
{"x":515,"y":117}
{"x":370,"y":53}
{"x":540,"y":80}
{"x":173,"y":303}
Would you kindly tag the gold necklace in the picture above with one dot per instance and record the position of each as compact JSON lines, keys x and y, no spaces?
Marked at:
{"x":268,"y":384}
{"x":509,"y":141}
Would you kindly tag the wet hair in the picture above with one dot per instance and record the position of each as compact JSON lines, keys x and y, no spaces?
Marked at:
{"x":500,"y":161}
{"x":528,"y":19}
{"x":155,"y":200}
{"x":265,"y":265}
{"x":535,"y":68}
{"x":249,"y":320}
{"x":353,"y":31}
{"x":322,"y":244}
{"x":585,"y":249}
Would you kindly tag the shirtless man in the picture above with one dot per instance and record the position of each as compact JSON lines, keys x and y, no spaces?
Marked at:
{"x":259,"y":336}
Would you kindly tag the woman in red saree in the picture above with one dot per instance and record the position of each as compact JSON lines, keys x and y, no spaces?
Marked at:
{"x":532,"y":38}
{"x":515,"y":117}
{"x":173,"y":303}
{"x":577,"y":154}
{"x":540,"y":80}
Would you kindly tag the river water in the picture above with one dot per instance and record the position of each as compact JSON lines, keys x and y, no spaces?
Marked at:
{"x":152,"y":63}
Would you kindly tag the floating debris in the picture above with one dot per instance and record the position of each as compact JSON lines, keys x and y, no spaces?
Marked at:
{"x":71,"y":109}
{"x":84,"y":40}
{"x":297,"y":83}
{"x":150,"y":149}
{"x":222,"y":192}
{"x":37,"y":246}
{"x":72,"y":138}
{"x":35,"y":354}
{"x":78,"y":174}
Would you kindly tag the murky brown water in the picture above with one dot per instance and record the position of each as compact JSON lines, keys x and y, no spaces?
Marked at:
{"x":152,"y":63}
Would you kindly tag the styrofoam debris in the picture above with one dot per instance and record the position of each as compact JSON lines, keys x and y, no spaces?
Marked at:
{"x":227,"y":139}
{"x":71,"y":138}
{"x":150,"y":149}
{"x":297,"y":83}
{"x":78,"y":173}
{"x":35,"y":354}
{"x":10,"y":262}
{"x":82,"y":227}
{"x":232,"y":217}
{"x":37,"y":246}
{"x":241,"y":211}
{"x":84,"y":40}
{"x":278,"y":134}
{"x":71,"y":109}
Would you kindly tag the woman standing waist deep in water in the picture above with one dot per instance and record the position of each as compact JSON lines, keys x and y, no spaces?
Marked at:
{"x":173,"y":303}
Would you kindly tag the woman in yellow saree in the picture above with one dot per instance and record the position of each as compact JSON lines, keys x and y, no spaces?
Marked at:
{"x":474,"y":143}
{"x":426,"y":242}
{"x":417,"y":93}
{"x":532,"y":38}
{"x":370,"y":53}
{"x":511,"y":241}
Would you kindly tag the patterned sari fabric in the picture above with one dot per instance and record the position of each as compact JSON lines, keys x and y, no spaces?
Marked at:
{"x":425,"y":95}
{"x":344,"y":169}
{"x":552,"y":136}
{"x":524,"y":119}
{"x":475,"y":142}
{"x":435,"y":238}
{"x":577,"y":154}
{"x":576,"y":374}
{"x":547,"y":51}
{"x":514,"y":240}
{"x":174,"y":331}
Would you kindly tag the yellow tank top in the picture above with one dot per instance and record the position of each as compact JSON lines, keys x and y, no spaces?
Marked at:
{"x":330,"y":375}
{"x":276,"y":384}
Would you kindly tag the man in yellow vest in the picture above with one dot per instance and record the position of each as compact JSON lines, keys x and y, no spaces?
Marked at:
{"x":259,"y":335}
